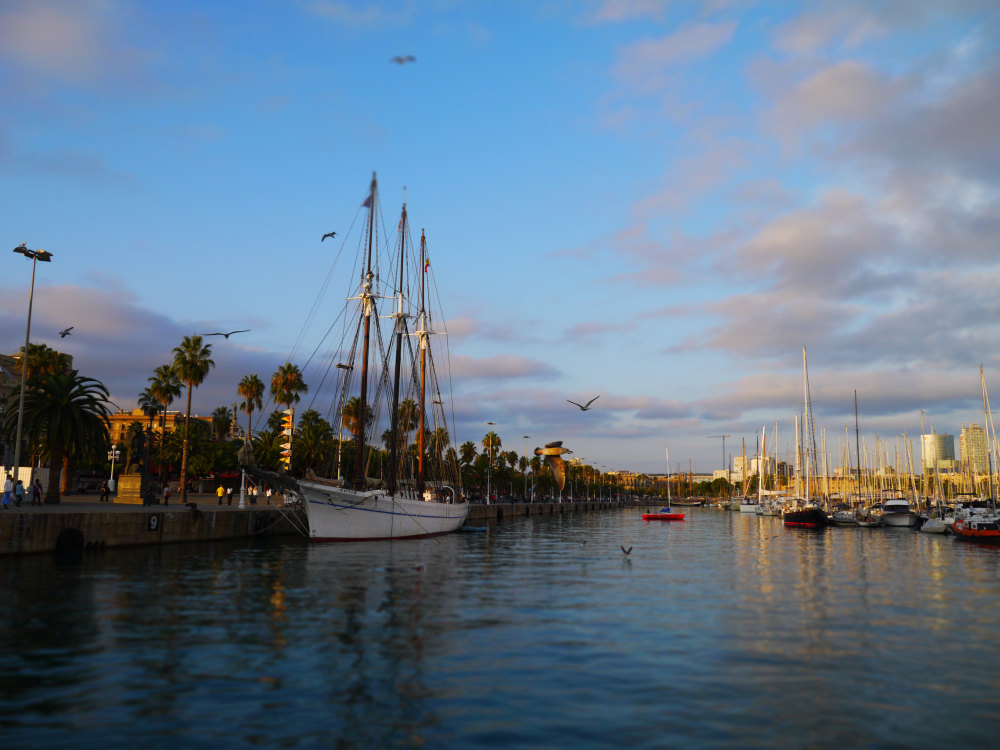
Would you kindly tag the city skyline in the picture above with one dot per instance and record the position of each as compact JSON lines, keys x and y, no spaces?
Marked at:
{"x":658,"y":203}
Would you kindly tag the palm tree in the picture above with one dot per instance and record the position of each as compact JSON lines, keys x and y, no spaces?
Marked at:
{"x":351,"y":415}
{"x":222,"y":420}
{"x":467,"y":451}
{"x":287,"y":385}
{"x":251,"y":388}
{"x":65,"y":411}
{"x":491,"y":444}
{"x":150,"y":406}
{"x":164,"y":386}
{"x":191,"y":363}
{"x":42,"y":360}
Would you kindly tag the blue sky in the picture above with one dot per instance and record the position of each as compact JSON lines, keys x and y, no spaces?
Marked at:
{"x":657,"y":202}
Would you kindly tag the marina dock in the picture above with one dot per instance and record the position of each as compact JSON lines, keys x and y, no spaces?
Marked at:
{"x":81,"y":523}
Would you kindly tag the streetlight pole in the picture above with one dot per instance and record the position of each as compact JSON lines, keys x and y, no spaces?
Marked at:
{"x":526,"y":466}
{"x":113,"y":454}
{"x":489,"y":462}
{"x":35,"y":255}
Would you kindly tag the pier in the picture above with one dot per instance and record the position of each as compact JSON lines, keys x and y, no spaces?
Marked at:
{"x":81,"y":523}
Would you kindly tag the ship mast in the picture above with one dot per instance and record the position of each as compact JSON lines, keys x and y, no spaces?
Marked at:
{"x":400,"y":329}
{"x":423,"y":366}
{"x":368,"y":307}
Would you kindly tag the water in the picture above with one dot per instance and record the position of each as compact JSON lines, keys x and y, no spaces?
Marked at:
{"x":724,"y":630}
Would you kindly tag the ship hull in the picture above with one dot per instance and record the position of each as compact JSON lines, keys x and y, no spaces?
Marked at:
{"x":808,"y":518}
{"x":342,"y":515}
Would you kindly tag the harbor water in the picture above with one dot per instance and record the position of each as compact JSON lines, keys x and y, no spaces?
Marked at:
{"x":724,"y":630}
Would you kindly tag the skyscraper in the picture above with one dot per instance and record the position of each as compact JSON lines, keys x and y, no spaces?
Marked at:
{"x":972,"y":444}
{"x":937,"y":452}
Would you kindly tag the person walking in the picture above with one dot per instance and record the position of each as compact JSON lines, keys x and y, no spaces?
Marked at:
{"x":36,"y":492}
{"x":220,"y":492}
{"x":166,"y":494}
{"x":104,"y":491}
{"x":8,"y":487}
{"x":229,"y":495}
{"x":19,"y":494}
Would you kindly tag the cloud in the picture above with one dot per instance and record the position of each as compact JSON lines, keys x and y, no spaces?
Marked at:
{"x":69,"y":42}
{"x":644,"y":64}
{"x":353,"y":15}
{"x":619,"y":11}
{"x":499,"y":367}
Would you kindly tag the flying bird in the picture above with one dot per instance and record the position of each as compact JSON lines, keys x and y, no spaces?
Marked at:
{"x":626,"y":551}
{"x":402,"y":59}
{"x":227,"y":335}
{"x":331,"y":235}
{"x":65,"y":332}
{"x":585,"y":407}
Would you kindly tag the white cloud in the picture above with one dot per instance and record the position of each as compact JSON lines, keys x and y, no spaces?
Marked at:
{"x":646,"y":64}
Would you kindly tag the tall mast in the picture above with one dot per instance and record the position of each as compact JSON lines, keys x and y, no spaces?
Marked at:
{"x":805,"y":423}
{"x":400,"y":330}
{"x":857,"y":442}
{"x":423,"y":366}
{"x":367,"y":306}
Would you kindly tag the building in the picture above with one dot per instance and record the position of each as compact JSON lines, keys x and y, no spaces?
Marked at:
{"x":972,"y":444}
{"x":121,"y":421}
{"x":937,"y":452}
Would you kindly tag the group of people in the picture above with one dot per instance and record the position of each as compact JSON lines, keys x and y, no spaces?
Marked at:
{"x":13,"y":492}
{"x":252,"y":492}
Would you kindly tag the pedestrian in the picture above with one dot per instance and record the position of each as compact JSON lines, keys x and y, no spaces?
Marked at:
{"x":104,"y":491}
{"x":8,"y":486}
{"x":253,"y":497}
{"x":166,"y":494}
{"x":220,"y":492}
{"x":36,"y":492}
{"x":268,"y":495}
{"x":229,"y":495}
{"x":18,"y":494}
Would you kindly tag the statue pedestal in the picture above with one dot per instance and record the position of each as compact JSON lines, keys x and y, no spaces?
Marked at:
{"x":132,"y":489}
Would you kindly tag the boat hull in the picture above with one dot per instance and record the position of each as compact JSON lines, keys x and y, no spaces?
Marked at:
{"x":341,"y":515}
{"x":808,"y":518}
{"x":663,"y":516}
{"x":899,"y":519}
{"x":981,"y":531}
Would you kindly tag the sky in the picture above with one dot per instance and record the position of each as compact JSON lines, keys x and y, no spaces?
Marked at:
{"x":660,"y":203}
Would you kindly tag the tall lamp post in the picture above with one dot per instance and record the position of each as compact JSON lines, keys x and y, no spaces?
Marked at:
{"x":489,"y":463}
{"x":45,"y":257}
{"x":526,"y":465}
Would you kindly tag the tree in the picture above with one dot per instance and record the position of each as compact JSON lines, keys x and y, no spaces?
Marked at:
{"x":64,"y":411}
{"x":192,"y":361}
{"x":491,"y":444}
{"x":251,"y":389}
{"x":351,"y":415}
{"x":287,"y":385}
{"x":222,"y":421}
{"x":164,"y":387}
{"x":467,"y":451}
{"x":41,"y":361}
{"x":150,"y":406}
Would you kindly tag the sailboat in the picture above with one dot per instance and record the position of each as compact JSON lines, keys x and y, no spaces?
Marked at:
{"x":403,"y":502}
{"x":982,"y":524}
{"x":805,"y":512}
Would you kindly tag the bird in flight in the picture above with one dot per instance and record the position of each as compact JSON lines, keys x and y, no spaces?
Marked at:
{"x":585,"y":407}
{"x":227,"y":335}
{"x":331,"y":235}
{"x":402,"y":59}
{"x":626,"y":551}
{"x":65,"y":332}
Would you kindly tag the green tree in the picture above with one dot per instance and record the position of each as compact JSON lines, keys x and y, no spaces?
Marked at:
{"x":64,"y":411}
{"x":164,"y":387}
{"x":491,"y":444}
{"x":42,"y":360}
{"x":351,"y":415}
{"x":222,"y":421}
{"x":192,"y":361}
{"x":467,"y":452}
{"x":287,"y":385}
{"x":251,"y":390}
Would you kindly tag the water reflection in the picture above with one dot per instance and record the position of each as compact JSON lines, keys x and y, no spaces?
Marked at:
{"x":538,"y":633}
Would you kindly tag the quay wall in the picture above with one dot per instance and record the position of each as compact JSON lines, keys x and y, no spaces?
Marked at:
{"x":28,"y":532}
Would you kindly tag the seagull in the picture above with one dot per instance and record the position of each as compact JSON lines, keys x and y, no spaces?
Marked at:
{"x":585,"y":407}
{"x":227,"y":335}
{"x":65,"y":332}
{"x":626,"y":551}
{"x":402,"y":59}
{"x":331,"y":235}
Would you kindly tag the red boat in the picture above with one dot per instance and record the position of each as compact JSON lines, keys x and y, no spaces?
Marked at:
{"x":665,"y":514}
{"x":978,"y":528}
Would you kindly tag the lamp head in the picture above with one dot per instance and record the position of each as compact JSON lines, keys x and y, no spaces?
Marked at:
{"x":22,"y":249}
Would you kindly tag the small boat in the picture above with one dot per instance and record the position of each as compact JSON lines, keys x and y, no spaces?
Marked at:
{"x":869,"y":518}
{"x":664,"y":514}
{"x":896,"y":511}
{"x":748,"y":505}
{"x":844,"y":516}
{"x":981,"y":528}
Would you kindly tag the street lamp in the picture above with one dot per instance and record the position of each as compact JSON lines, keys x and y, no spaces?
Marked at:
{"x":489,"y":463}
{"x":526,"y":466}
{"x":45,"y":257}
{"x":113,"y":454}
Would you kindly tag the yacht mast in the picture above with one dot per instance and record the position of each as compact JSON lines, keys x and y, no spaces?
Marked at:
{"x":400,"y":329}
{"x":368,"y":307}
{"x":423,"y":366}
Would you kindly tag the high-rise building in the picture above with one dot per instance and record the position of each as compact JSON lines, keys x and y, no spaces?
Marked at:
{"x":972,"y":444}
{"x":937,"y":452}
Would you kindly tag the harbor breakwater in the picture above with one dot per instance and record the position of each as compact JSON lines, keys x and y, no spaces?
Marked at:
{"x":75,"y":527}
